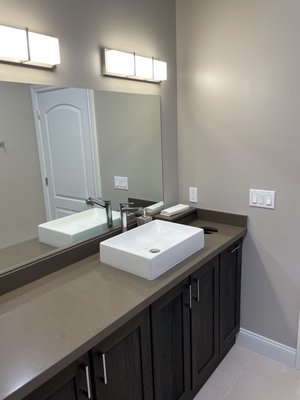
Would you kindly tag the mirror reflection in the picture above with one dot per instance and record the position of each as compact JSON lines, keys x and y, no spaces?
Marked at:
{"x":64,"y":145}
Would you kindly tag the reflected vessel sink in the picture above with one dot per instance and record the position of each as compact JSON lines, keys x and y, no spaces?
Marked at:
{"x":151,"y":249}
{"x":79,"y":226}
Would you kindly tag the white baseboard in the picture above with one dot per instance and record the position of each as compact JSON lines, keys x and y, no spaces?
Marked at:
{"x":267,"y":347}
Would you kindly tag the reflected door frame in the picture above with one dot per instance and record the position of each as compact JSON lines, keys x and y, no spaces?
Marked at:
{"x":95,"y":186}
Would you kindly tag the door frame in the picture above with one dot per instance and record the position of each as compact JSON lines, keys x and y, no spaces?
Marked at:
{"x":35,"y":90}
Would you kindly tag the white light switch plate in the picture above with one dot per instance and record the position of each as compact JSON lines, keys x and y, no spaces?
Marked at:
{"x":121,"y":182}
{"x":262,"y":198}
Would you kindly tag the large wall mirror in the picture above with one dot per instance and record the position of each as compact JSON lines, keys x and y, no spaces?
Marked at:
{"x":103,"y":144}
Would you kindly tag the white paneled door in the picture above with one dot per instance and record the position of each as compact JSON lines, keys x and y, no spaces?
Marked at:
{"x":67,"y":148}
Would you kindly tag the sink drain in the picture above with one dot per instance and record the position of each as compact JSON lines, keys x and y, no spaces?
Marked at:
{"x":154,"y":251}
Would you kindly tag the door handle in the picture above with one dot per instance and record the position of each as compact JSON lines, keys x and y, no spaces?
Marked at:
{"x":88,"y":381}
{"x":104,"y":368}
{"x":235,"y":249}
{"x":103,"y":359}
{"x":197,"y":297}
{"x":198,"y":290}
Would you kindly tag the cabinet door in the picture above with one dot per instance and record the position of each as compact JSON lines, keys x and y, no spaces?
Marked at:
{"x":205,"y":322}
{"x":73,"y":383}
{"x":230,"y":290}
{"x":122,"y":367}
{"x":171,"y":344}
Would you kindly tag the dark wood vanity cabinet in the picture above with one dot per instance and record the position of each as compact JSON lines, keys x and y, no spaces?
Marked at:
{"x":230,"y":293}
{"x":169,"y":350}
{"x":119,"y":368}
{"x":185,"y":334}
{"x":194,"y":325}
{"x":204,"y":322}
{"x":170,"y":319}
{"x":121,"y":364}
{"x":73,"y":383}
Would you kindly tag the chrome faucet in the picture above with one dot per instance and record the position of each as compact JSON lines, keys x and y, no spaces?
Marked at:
{"x":125,"y":209}
{"x":104,"y":204}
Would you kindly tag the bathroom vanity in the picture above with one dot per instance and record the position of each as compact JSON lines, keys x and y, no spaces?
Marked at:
{"x":89,"y":331}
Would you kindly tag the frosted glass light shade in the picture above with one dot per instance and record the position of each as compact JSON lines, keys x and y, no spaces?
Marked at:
{"x":24,"y":47}
{"x":160,"y":70}
{"x":13,"y":44}
{"x":119,"y":63}
{"x":143,"y":67}
{"x":44,"y":50}
{"x":131,"y":66}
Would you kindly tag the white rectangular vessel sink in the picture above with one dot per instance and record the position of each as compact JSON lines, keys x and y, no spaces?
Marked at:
{"x":79,"y":226}
{"x":151,"y":249}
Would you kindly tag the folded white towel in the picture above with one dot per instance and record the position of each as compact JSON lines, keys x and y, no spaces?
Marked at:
{"x":168,"y":212}
{"x":155,"y":208}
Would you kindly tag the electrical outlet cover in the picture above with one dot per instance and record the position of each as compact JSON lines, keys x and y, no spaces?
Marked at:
{"x":193,"y":195}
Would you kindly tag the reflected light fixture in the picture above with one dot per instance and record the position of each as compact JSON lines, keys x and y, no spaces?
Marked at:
{"x":28,"y":48}
{"x":126,"y":65}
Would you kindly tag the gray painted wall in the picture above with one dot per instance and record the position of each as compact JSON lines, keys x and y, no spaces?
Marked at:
{"x":146,"y":27}
{"x":21,"y":195}
{"x":129,"y":144}
{"x":239,"y":124}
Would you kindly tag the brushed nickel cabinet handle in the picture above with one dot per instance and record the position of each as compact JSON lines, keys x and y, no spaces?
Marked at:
{"x":88,"y":382}
{"x":104,"y":369}
{"x":235,"y":249}
{"x":198,"y":290}
{"x":190,"y":293}
{"x":197,"y":297}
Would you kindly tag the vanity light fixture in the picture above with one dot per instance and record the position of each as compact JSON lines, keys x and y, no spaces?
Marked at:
{"x":122,"y":64}
{"x":13,"y":44}
{"x":29,"y":48}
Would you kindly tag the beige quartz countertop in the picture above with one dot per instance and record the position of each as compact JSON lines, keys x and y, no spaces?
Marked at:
{"x":20,"y":252}
{"x":49,"y":323}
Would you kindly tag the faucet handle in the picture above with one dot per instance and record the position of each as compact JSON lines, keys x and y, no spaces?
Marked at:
{"x":89,"y":201}
{"x":126,"y":204}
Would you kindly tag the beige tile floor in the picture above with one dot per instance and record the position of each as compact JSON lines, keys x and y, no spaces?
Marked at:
{"x":245,"y":375}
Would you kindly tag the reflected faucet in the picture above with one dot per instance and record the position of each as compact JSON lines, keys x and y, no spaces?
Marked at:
{"x":104,"y":204}
{"x":125,"y":209}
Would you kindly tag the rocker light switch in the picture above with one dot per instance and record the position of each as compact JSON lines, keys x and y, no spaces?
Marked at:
{"x":262,"y":198}
{"x":254,"y":198}
{"x":121,"y":182}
